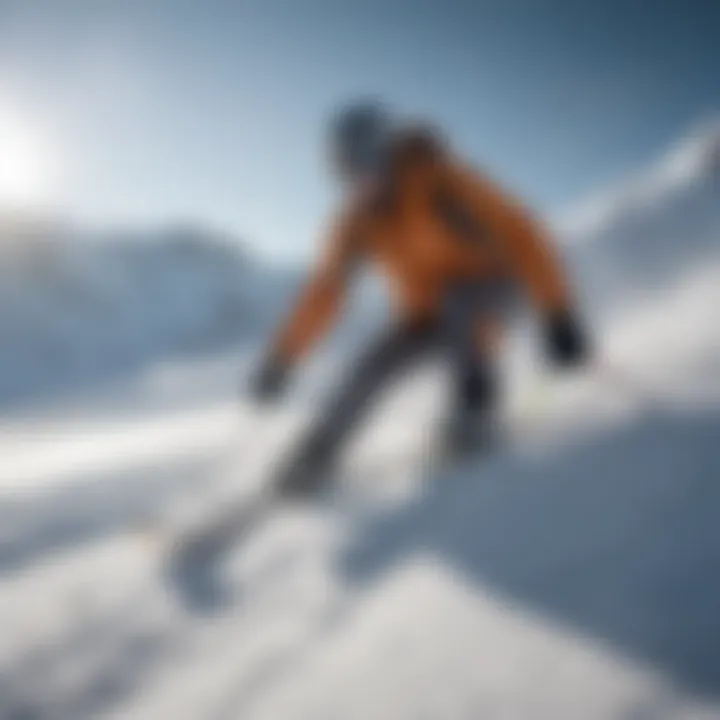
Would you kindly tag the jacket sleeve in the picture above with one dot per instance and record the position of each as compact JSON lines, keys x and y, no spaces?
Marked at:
{"x":521,"y":238}
{"x":322,"y":298}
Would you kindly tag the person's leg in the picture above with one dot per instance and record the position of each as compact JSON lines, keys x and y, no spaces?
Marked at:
{"x":474,"y":422}
{"x":390,"y":353}
{"x":470,"y":311}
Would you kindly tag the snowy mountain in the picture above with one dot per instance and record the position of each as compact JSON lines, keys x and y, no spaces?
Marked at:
{"x":651,"y":229}
{"x":78,"y":306}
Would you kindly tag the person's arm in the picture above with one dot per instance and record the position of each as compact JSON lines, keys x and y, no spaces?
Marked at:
{"x":528,"y":249}
{"x":315,"y":310}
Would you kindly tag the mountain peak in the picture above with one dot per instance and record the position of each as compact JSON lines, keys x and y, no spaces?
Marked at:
{"x":692,"y":161}
{"x":695,"y":156}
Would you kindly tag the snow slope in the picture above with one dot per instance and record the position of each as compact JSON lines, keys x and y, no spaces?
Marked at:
{"x":574,"y":576}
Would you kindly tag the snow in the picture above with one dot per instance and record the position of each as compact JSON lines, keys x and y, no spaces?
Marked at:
{"x":573,"y":575}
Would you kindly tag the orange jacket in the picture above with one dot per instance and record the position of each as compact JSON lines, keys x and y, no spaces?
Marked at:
{"x":436,"y":222}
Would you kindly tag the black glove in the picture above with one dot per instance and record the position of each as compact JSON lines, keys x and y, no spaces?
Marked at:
{"x":269,"y":381}
{"x":566,"y":343}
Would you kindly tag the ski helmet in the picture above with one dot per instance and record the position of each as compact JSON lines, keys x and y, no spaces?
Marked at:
{"x":359,"y":136}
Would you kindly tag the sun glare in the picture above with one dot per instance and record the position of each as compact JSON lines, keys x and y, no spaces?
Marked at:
{"x":24,"y":163}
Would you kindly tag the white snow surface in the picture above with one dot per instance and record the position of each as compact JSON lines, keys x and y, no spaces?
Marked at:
{"x":573,"y":575}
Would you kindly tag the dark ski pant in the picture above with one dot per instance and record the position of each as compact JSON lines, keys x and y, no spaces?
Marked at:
{"x":453,"y":336}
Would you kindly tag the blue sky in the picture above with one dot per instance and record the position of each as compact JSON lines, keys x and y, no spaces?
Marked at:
{"x":210,"y":110}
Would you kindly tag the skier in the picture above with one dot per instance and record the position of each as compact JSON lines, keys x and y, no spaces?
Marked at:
{"x":456,"y":250}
